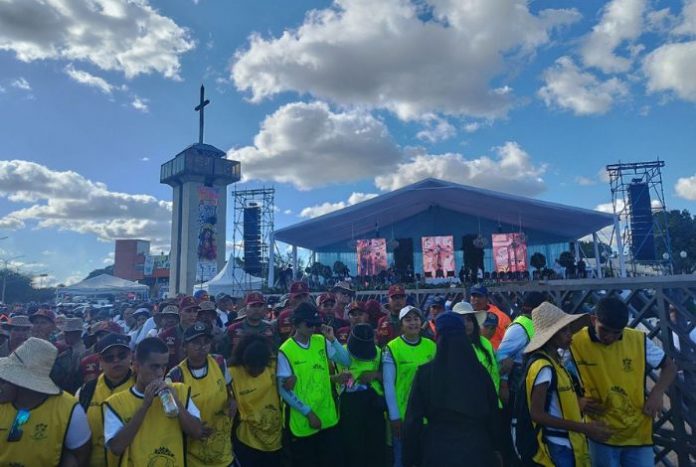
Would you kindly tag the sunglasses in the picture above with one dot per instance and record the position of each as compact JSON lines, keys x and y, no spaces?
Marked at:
{"x":116,"y":357}
{"x":16,"y":431}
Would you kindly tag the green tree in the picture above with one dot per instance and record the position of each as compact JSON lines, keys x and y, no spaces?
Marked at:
{"x":587,"y":251}
{"x":98,"y":272}
{"x":682,"y":232}
{"x":18,"y":288}
{"x":538,"y":261}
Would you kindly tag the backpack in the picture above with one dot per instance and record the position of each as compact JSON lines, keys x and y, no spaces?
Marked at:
{"x":525,"y":433}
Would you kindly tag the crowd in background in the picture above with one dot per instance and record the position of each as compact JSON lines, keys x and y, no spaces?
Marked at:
{"x":328,"y":381}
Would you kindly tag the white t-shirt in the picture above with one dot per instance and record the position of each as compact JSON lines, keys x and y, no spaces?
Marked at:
{"x":513,"y":344}
{"x":113,"y":424}
{"x":545,"y":376}
{"x":692,"y":335}
{"x":203,"y":371}
{"x":654,"y":355}
{"x":78,"y":433}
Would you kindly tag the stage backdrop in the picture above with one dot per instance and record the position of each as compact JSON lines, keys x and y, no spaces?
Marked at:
{"x":438,"y":257}
{"x":372,"y":256}
{"x":509,"y":252}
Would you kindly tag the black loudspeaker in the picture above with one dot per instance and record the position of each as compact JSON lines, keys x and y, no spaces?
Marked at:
{"x":252,"y":239}
{"x":403,"y":254}
{"x":473,"y":257}
{"x":642,"y":236}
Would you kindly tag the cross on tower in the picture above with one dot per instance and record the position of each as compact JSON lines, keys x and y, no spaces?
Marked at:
{"x":200,"y":108}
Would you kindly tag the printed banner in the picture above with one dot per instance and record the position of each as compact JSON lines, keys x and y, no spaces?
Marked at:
{"x":438,"y":257}
{"x":208,"y":198}
{"x":509,"y":252}
{"x":372,"y":256}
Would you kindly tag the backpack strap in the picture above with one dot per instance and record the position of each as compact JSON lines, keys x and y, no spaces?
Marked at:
{"x":220,"y":360}
{"x":176,"y":375}
{"x":87,"y":392}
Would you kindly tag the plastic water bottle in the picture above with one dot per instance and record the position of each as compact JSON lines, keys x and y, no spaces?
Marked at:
{"x":171,"y":410}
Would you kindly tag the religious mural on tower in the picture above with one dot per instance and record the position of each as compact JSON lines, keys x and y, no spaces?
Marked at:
{"x":208,"y":200}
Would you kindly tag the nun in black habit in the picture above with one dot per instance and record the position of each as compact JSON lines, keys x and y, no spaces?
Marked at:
{"x":457,"y":397}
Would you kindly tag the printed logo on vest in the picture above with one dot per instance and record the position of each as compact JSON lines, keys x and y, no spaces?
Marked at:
{"x":244,"y":392}
{"x":628,"y":364}
{"x":162,"y":457}
{"x":39,"y":432}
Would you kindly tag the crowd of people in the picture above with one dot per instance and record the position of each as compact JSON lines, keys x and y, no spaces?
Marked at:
{"x":329,"y":381}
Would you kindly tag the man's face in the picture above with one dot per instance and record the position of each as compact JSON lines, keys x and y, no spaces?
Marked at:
{"x":435,"y":310}
{"x":479,"y":302}
{"x":256,"y":311}
{"x":140,"y":320}
{"x":43,"y":327}
{"x":203,"y":297}
{"x":327,"y":306}
{"x":152,"y":369}
{"x":198,"y":348}
{"x":72,"y":337}
{"x":563,"y":338}
{"x":357,"y":317}
{"x":128,"y":317}
{"x":605,"y":334}
{"x":169,"y":320}
{"x":396,"y":303}
{"x":342,"y":297}
{"x":19,"y":334}
{"x":299,"y":298}
{"x":488,"y":331}
{"x":411,"y":324}
{"x":115,"y":362}
{"x":207,"y":317}
{"x":8,"y":391}
{"x":188,"y":316}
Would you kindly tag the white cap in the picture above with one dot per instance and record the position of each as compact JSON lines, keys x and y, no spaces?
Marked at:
{"x":465,"y":308}
{"x":407,"y":309}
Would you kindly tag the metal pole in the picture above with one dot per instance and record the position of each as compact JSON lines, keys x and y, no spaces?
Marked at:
{"x":598,"y":265}
{"x":619,"y":247}
{"x":294,"y":262}
{"x":271,"y":259}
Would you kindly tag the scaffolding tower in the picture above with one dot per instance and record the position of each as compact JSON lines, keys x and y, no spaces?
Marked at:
{"x":623,"y":179}
{"x":264,"y":200}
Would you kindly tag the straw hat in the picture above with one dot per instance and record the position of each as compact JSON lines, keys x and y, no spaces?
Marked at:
{"x":548,"y":319}
{"x":465,"y":308}
{"x":72,"y":325}
{"x":17,"y":321}
{"x":29,"y":366}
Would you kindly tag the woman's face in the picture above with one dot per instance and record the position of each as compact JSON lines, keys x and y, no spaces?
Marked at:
{"x":411,"y":324}
{"x":469,"y":324}
{"x":562,"y":339}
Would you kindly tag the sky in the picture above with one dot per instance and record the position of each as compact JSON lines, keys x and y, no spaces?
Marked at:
{"x":329,"y":102}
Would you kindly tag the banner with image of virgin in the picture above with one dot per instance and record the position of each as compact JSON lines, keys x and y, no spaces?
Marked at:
{"x":372,"y":256}
{"x":509,"y":252}
{"x":438,"y":257}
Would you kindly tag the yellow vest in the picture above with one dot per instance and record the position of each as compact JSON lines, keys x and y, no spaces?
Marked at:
{"x":407,"y":358}
{"x":95,"y":417}
{"x":43,"y":434}
{"x":358,"y":367}
{"x":210,"y":396}
{"x":258,"y":407}
{"x":615,"y":376}
{"x":160,"y":439}
{"x":570,"y":408}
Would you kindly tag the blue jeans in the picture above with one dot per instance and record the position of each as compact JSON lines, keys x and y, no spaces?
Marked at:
{"x":616,"y":456}
{"x":562,"y":456}
{"x":396,"y":445}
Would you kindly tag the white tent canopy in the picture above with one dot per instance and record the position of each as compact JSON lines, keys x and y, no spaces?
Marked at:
{"x":104,"y":284}
{"x":233,"y":281}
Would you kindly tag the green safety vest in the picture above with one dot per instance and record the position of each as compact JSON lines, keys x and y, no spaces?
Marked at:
{"x":358,"y":367}
{"x":489,"y":363}
{"x":527,"y":324}
{"x":407,"y":358}
{"x":313,"y":386}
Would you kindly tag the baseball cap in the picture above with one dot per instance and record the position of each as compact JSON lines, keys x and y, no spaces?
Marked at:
{"x":141,"y":311}
{"x":112,"y":340}
{"x":198,"y":329}
{"x":306,"y":313}
{"x":491,"y":320}
{"x":298,"y":288}
{"x":187,"y":302}
{"x":355,"y":305}
{"x":479,"y":290}
{"x":198,"y":294}
{"x":396,"y":289}
{"x":408,"y":309}
{"x":438,"y":301}
{"x":48,"y":314}
{"x":107,"y":326}
{"x":326,"y":296}
{"x":170,"y":310}
{"x":254,"y":298}
{"x":207,"y":305}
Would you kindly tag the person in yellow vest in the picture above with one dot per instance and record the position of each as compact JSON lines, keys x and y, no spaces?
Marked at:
{"x":136,"y":427}
{"x":612,"y":361}
{"x":115,"y":362}
{"x":209,"y":380}
{"x":39,"y":424}
{"x":313,"y":412}
{"x":551,"y":394}
{"x":400,"y":359}
{"x":259,"y":423}
{"x":362,"y":424}
{"x":455,"y":395}
{"x":473,"y":320}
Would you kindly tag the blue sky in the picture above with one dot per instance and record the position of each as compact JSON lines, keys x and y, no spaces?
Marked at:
{"x":331,"y":103}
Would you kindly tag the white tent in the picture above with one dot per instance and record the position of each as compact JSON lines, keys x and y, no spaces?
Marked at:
{"x":232,"y":280}
{"x":104,"y":284}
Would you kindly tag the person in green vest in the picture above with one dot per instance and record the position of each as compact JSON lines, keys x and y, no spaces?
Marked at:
{"x":362,"y":425}
{"x":304,"y":360}
{"x":510,"y":353}
{"x":400,"y":359}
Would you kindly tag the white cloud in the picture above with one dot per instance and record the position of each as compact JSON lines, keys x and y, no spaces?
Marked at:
{"x":510,"y":171}
{"x":140,"y":104}
{"x":686,"y":188}
{"x":569,"y":88}
{"x":671,"y":68}
{"x":287,"y":212}
{"x":89,"y":79}
{"x":621,"y":22}
{"x":308,"y":145}
{"x":21,"y":83}
{"x":386,"y":54}
{"x":585,"y":181}
{"x":110,"y":257}
{"x":325,"y":208}
{"x":687,"y":21}
{"x":145,"y":159}
{"x":68,"y":201}
{"x":126,"y":36}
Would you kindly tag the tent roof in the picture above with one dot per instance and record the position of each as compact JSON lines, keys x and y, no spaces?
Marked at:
{"x":105,"y":283}
{"x":360,"y":219}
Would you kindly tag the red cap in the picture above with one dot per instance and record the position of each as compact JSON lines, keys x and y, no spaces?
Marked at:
{"x":357,"y":306}
{"x":187,"y":302}
{"x":396,"y":289}
{"x":254,"y":298}
{"x":299,"y":288}
{"x":45,"y":313}
{"x":325,"y":297}
{"x":107,"y":326}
